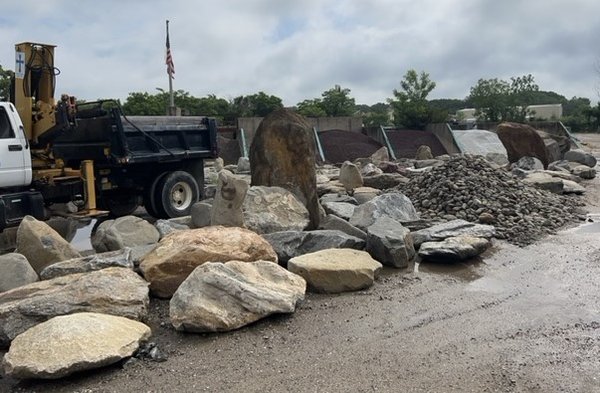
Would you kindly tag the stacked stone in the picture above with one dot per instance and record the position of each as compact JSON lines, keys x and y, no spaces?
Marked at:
{"x":468,"y":187}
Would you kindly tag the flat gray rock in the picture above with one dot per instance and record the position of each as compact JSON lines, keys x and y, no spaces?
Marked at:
{"x":290,"y":244}
{"x":452,"y":229}
{"x":335,"y":223}
{"x":390,"y":243}
{"x":15,"y":271}
{"x":453,"y":249}
{"x":127,"y":231}
{"x":341,"y":209}
{"x":119,"y":258}
{"x":394,"y":205}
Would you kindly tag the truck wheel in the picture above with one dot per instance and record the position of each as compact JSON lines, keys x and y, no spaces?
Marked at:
{"x":150,"y":197}
{"x":120,"y":205}
{"x":176,"y":192}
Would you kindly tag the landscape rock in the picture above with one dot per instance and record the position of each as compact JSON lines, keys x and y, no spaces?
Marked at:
{"x":423,"y":153}
{"x":384,"y":181}
{"x":127,"y":231}
{"x":365,"y":194}
{"x":580,"y":156}
{"x":201,"y":212}
{"x":467,"y":186}
{"x":290,"y":244}
{"x":571,"y":187}
{"x":452,"y":228}
{"x":229,"y":198}
{"x":453,"y":249}
{"x":178,"y":254}
{"x":218,"y":164}
{"x":114,"y":291}
{"x":544,"y":181}
{"x":350,"y":176}
{"x":218,"y":297}
{"x":273,"y":209}
{"x":336,"y":223}
{"x":529,"y":163}
{"x":42,"y":245}
{"x":497,"y":158}
{"x":341,"y":209}
{"x":421,"y":164}
{"x":336,"y":270}
{"x":370,"y":169}
{"x":338,"y":198}
{"x":15,"y":271}
{"x":390,"y":243}
{"x":381,"y":155}
{"x":90,"y":263}
{"x":243,"y":165}
{"x":283,"y":154}
{"x":584,"y":172}
{"x":521,"y":140}
{"x":394,"y":205}
{"x":70,"y":343}
{"x":164,"y":227}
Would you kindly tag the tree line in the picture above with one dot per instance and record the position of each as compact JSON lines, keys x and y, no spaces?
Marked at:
{"x":409,"y":107}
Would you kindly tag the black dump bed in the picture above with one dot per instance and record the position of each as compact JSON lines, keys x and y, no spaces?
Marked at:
{"x":109,"y":138}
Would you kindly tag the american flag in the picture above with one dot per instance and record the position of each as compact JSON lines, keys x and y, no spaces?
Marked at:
{"x":169,"y":60}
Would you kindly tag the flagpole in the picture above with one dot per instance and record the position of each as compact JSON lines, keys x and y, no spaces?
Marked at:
{"x":172,"y":110}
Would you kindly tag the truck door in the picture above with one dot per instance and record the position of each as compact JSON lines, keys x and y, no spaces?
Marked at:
{"x":13,"y":163}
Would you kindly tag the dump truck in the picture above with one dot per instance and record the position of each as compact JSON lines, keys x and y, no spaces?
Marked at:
{"x":91,"y":155}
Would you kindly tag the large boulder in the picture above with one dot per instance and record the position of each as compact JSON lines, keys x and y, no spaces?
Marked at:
{"x":274,"y":209}
{"x":15,"y":271}
{"x":580,"y":156}
{"x":350,"y":176}
{"x":227,"y":206}
{"x":70,"y":343}
{"x":522,"y":140}
{"x":390,"y":243}
{"x":178,"y":254}
{"x":453,"y":249}
{"x":127,"y":231}
{"x":290,"y":244}
{"x":452,"y":228}
{"x":115,"y":291}
{"x":283,"y":154}
{"x":90,"y":263}
{"x":341,"y":209}
{"x":336,"y":270}
{"x":42,"y":245}
{"x":225,"y":296}
{"x":394,"y":205}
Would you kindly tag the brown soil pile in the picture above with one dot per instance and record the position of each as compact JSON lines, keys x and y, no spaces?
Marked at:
{"x":340,"y":145}
{"x":406,"y":142}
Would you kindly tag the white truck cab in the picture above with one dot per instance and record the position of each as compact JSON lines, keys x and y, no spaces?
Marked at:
{"x":15,"y":157}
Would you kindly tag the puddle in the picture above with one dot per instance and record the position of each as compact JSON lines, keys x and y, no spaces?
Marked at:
{"x":592,"y":225}
{"x":81,"y":241}
{"x":467,"y":271}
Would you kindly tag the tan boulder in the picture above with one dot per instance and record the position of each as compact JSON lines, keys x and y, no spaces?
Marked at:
{"x":226,"y":296}
{"x":42,"y":245}
{"x":336,"y":270}
{"x":227,"y":207}
{"x":179,"y":253}
{"x":116,"y":291}
{"x":67,"y":344}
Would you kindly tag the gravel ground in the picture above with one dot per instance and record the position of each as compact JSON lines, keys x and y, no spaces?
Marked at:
{"x":519,"y":319}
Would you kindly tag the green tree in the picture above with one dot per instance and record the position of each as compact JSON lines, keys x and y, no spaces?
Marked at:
{"x":145,"y":104}
{"x":375,"y":115}
{"x":410,"y":106}
{"x":311,"y":108}
{"x":498,"y":100}
{"x":337,"y":102}
{"x":258,"y":105}
{"x":5,"y":81}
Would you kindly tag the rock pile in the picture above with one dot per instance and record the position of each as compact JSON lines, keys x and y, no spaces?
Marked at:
{"x":468,"y":187}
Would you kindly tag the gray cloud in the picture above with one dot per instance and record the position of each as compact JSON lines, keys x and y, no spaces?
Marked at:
{"x":296,"y":50}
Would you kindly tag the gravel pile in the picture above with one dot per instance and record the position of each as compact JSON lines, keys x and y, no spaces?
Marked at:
{"x":468,"y":187}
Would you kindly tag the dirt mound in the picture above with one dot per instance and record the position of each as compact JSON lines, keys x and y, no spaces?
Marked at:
{"x":339,"y":145}
{"x":406,"y":142}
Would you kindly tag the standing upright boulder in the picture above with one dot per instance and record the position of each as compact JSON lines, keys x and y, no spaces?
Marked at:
{"x":283,"y":154}
{"x":350,"y":176}
{"x":227,"y":206}
{"x":522,"y":140}
{"x":424,"y":153}
{"x":42,"y":245}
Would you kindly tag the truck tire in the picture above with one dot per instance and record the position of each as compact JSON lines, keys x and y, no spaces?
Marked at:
{"x":150,"y":197}
{"x":120,"y":205}
{"x":176,"y":192}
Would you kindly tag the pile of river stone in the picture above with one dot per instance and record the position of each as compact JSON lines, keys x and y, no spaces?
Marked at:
{"x":471,"y":188}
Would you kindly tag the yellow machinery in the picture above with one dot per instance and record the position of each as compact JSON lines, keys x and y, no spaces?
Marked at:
{"x":43,"y":119}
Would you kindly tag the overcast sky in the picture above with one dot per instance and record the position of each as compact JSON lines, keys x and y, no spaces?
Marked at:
{"x":298,"y":49}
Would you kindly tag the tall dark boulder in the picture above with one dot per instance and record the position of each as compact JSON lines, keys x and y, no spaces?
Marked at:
{"x":283,"y":154}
